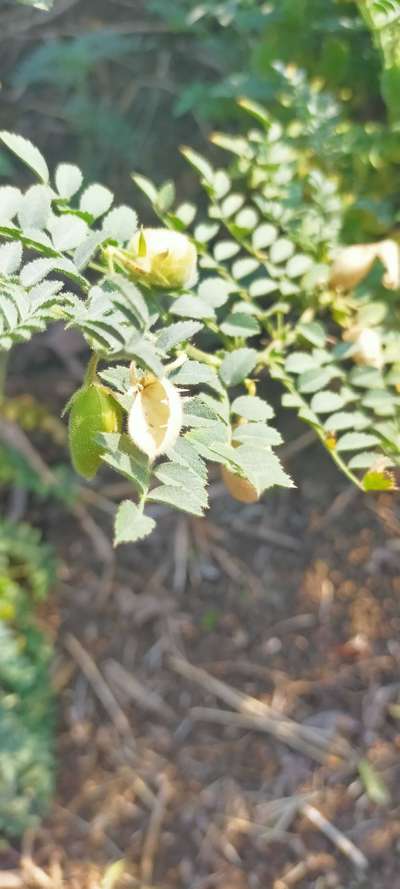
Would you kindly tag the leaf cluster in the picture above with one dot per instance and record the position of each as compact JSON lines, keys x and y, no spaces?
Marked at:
{"x":263,"y":304}
{"x":27,"y":570}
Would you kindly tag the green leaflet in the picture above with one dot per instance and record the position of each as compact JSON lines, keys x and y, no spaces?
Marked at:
{"x":130,"y":524}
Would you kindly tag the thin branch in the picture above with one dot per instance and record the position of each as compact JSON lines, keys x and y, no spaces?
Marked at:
{"x":345,"y":846}
{"x":260,"y":716}
{"x":11,"y":879}
{"x":99,"y":685}
{"x":153,"y":832}
{"x":278,"y":730}
{"x":136,"y":691}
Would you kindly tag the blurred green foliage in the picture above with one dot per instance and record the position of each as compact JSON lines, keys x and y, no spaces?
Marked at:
{"x":382,"y":17}
{"x":244,"y":39}
{"x":16,"y":469}
{"x":105,"y":84}
{"x":37,"y":4}
{"x":117,"y":91}
{"x":27,"y":570}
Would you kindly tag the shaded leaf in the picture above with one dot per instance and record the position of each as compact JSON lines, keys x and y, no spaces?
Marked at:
{"x":34,"y":210}
{"x":315,"y":379}
{"x":231,"y":204}
{"x":367,"y":378}
{"x":184,"y":500}
{"x":174,"y":334}
{"x":237,"y":365}
{"x":281,"y":250}
{"x":68,"y":231}
{"x":313,"y":332}
{"x":264,"y":236}
{"x":10,"y":257}
{"x":355,"y":441}
{"x":146,"y":187}
{"x":68,"y":179}
{"x":299,"y":362}
{"x":346,"y":420}
{"x":188,"y":306}
{"x":239,"y":324}
{"x":214,"y":291}
{"x":259,"y":433}
{"x":298,"y":265}
{"x":122,"y":455}
{"x":27,"y":153}
{"x":166,"y":196}
{"x":325,"y":402}
{"x":10,"y":202}
{"x":251,"y":407}
{"x":194,"y":373}
{"x":87,"y":249}
{"x":225,"y":250}
{"x":262,"y":287}
{"x":244,"y":267}
{"x":120,"y":223}
{"x":131,"y":524}
{"x":184,"y":453}
{"x":96,"y":200}
{"x":199,"y":163}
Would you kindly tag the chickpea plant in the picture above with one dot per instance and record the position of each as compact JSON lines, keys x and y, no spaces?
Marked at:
{"x":186,"y":321}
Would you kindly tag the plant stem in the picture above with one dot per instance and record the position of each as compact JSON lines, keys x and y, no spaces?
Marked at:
{"x":341,"y":464}
{"x":321,"y":434}
{"x":203,"y":357}
{"x":91,"y":369}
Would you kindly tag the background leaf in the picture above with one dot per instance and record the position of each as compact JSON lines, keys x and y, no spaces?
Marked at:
{"x":27,"y":153}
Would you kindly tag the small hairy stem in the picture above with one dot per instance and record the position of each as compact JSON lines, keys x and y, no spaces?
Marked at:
{"x":321,"y":435}
{"x":340,"y":463}
{"x":203,"y":357}
{"x":251,"y":386}
{"x":91,"y":369}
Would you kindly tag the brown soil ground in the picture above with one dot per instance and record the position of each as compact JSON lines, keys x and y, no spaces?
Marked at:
{"x":291,"y":604}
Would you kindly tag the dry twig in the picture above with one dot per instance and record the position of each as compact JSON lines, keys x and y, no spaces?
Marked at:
{"x":181,"y":556}
{"x":345,"y":846}
{"x":35,"y":876}
{"x":14,"y":437}
{"x":267,"y":535}
{"x":257,"y":715}
{"x":277,"y":728}
{"x":99,"y":539}
{"x":136,"y":691}
{"x":154,"y":830}
{"x":310,"y":866}
{"x":11,"y":879}
{"x":99,"y":685}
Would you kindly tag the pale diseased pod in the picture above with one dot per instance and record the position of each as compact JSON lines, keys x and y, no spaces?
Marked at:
{"x":156,"y":416}
{"x":367,"y":348}
{"x":163,"y":258}
{"x":352,"y":264}
{"x":239,"y":488}
{"x":389,"y":255}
